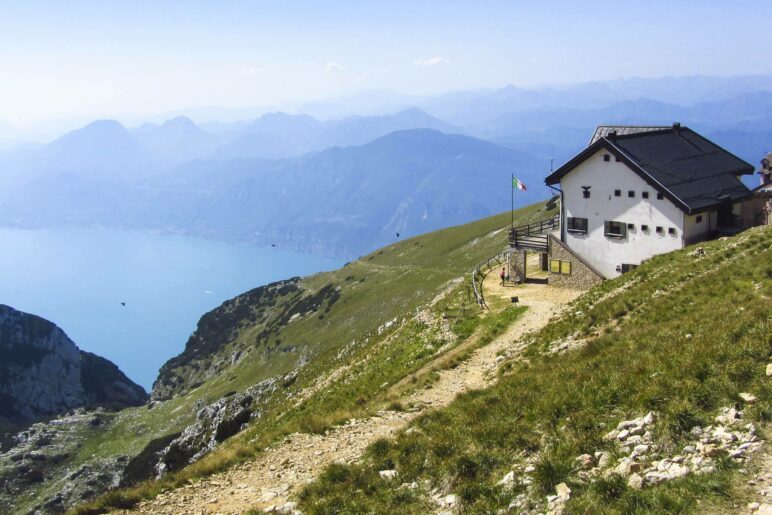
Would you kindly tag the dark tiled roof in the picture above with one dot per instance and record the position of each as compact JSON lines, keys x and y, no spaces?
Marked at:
{"x":603,"y":130}
{"x":690,"y":170}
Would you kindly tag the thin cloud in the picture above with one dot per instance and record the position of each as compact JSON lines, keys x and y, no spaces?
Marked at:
{"x":250,"y":71}
{"x":431,"y":61}
{"x":332,"y":67}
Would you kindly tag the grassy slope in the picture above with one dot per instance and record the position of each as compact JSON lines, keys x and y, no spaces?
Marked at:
{"x":555,"y":408}
{"x":388,"y":284}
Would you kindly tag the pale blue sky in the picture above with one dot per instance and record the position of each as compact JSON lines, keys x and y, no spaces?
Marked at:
{"x":102,"y":58}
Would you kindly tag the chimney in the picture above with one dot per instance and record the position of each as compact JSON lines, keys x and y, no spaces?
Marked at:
{"x":676,"y":126}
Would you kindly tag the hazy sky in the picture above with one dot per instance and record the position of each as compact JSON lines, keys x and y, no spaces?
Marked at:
{"x":101,"y":58}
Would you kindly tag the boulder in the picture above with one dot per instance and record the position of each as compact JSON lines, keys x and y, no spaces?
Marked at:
{"x":748,"y":398}
{"x":635,"y":481}
{"x":585,"y":461}
{"x":604,"y":460}
{"x":562,"y":491}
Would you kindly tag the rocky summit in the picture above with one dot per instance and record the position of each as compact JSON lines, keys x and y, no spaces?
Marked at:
{"x":43,"y":373}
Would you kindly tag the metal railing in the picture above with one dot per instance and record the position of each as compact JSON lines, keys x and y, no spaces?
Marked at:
{"x":525,"y":235}
{"x":480,"y":271}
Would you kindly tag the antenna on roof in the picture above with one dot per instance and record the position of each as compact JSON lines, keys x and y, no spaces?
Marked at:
{"x":676,"y":126}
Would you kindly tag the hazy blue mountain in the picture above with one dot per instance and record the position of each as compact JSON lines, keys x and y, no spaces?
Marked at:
{"x":278,"y":135}
{"x":274,"y":135}
{"x":751,"y":146}
{"x":372,"y":102}
{"x":341,"y":200}
{"x":203,"y":115}
{"x":176,"y":141}
{"x":568,"y":130}
{"x":688,"y":90}
{"x":106,"y":150}
{"x":351,"y":199}
{"x":356,"y":130}
{"x":102,"y":150}
{"x":469,"y":108}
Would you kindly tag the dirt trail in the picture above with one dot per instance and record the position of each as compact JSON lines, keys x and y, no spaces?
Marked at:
{"x":276,"y":475}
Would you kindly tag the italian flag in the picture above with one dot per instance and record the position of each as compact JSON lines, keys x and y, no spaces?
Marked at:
{"x":518,"y":184}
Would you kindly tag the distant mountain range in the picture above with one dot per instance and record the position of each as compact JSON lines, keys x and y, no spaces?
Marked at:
{"x":343,"y":201}
{"x":347,"y":185}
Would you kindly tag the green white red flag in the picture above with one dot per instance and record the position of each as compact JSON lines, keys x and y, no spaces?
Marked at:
{"x":518,"y":184}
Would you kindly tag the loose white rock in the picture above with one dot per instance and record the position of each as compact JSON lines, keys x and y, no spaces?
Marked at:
{"x":387,"y":474}
{"x":635,"y":481}
{"x":508,"y":479}
{"x":563,"y":491}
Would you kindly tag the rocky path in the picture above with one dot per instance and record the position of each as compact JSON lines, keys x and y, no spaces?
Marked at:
{"x":273,"y":477}
{"x":761,"y":482}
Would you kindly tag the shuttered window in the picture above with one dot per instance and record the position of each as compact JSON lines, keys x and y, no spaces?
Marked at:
{"x":614,"y":229}
{"x":577,"y":225}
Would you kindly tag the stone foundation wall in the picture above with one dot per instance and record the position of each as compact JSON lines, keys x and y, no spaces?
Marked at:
{"x":516,"y":265}
{"x":582,"y":277}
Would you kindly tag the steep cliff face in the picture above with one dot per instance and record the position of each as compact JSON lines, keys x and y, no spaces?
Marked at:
{"x":42,"y":372}
{"x":219,"y":339}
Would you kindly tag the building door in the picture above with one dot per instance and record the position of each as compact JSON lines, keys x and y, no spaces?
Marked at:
{"x":725,"y":215}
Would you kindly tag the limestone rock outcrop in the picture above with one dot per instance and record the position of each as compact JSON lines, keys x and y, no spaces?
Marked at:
{"x":43,"y":373}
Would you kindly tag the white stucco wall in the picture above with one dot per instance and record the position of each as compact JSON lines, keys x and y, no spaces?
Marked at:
{"x":696,"y":231}
{"x":606,"y":253}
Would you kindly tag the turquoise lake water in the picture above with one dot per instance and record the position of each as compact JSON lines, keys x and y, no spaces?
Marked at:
{"x":77,"y":278}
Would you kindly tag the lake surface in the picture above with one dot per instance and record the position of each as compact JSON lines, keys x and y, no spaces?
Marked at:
{"x":77,"y":278}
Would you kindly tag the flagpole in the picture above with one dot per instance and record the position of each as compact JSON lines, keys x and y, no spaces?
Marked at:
{"x":512,"y":191}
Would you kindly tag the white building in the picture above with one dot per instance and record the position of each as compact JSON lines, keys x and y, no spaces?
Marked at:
{"x":635,"y":192}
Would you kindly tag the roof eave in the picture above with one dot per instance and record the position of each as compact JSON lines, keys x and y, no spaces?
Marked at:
{"x":714,"y":205}
{"x":608,"y":144}
{"x":572,"y":163}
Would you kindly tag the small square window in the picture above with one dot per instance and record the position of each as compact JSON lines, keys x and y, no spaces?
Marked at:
{"x":618,"y":159}
{"x":645,"y":194}
{"x":631,"y":226}
{"x":578,"y":225}
{"x":660,"y":229}
{"x":631,"y":194}
{"x":660,"y":196}
{"x":698,"y":219}
{"x":617,"y":193}
{"x":671,"y":231}
{"x":606,"y":158}
{"x":644,"y":227}
{"x":615,"y":229}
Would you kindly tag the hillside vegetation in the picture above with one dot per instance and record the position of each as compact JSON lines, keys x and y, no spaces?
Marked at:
{"x":682,"y":337}
{"x":329,"y":362}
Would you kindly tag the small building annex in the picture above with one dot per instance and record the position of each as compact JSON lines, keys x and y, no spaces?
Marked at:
{"x":636,"y":192}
